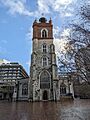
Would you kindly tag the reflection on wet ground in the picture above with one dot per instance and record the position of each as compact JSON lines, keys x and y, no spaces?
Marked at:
{"x":64,"y":110}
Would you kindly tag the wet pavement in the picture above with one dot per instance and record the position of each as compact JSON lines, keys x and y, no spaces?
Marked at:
{"x":64,"y":110}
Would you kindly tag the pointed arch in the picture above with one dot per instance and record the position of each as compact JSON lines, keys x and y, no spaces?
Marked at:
{"x":45,"y":79}
{"x":44,"y":33}
{"x":62,"y":89}
{"x":25,"y":89}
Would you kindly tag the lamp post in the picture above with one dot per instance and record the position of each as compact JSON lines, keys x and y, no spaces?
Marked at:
{"x":69,"y":82}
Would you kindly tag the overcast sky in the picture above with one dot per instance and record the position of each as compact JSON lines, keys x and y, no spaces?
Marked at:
{"x":16,"y":19}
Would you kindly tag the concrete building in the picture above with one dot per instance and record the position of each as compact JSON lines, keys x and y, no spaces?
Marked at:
{"x":44,"y":83}
{"x":13,"y":81}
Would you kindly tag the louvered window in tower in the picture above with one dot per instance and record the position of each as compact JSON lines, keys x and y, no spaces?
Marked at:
{"x":44,"y":34}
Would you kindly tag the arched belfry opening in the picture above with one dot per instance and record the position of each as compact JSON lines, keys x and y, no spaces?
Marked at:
{"x":44,"y":34}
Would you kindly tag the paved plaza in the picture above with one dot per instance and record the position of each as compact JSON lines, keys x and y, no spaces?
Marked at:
{"x":64,"y":110}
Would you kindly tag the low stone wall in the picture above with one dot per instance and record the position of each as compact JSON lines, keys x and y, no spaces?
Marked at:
{"x":82,"y":91}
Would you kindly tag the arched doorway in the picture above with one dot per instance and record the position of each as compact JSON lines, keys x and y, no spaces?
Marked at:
{"x":63,"y":89}
{"x":45,"y":95}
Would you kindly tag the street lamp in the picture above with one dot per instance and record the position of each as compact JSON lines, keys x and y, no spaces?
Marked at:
{"x":69,"y":82}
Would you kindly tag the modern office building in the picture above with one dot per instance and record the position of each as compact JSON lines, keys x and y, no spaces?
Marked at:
{"x":13,"y":81}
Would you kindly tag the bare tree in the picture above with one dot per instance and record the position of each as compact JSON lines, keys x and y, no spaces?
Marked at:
{"x":77,"y":47}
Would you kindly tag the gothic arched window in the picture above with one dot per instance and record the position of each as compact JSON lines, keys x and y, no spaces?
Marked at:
{"x":25,"y":89}
{"x":44,"y":33}
{"x":44,"y":61}
{"x":44,"y":80}
{"x":44,"y":48}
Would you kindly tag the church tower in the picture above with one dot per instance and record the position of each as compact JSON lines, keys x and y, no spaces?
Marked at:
{"x":43,"y":69}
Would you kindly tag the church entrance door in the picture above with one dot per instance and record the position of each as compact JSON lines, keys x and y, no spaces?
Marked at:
{"x":45,"y":95}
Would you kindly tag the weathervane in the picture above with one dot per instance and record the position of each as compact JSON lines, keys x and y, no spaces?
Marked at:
{"x":42,"y":14}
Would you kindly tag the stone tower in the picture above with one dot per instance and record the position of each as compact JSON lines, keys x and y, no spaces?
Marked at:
{"x":43,"y":70}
